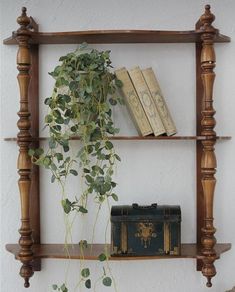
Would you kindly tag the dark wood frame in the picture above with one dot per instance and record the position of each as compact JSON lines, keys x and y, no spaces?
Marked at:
{"x":29,"y":250}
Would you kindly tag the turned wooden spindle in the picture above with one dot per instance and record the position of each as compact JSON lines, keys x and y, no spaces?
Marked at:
{"x":24,"y":139}
{"x":208,"y":161}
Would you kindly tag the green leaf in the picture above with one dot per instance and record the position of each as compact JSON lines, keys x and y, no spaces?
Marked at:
{"x":73,"y":85}
{"x":66,"y":148}
{"x":112,"y":101}
{"x":89,"y":149}
{"x":82,"y":210}
{"x":53,"y":178}
{"x":89,"y":179}
{"x":102,"y":257}
{"x":83,"y":243}
{"x":88,"y":284}
{"x":85,"y":272}
{"x":59,"y":156}
{"x":47,"y":101}
{"x":115,"y":197}
{"x":64,"y":288}
{"x":107,"y":281}
{"x":31,"y":152}
{"x":46,"y":161}
{"x":48,"y":119}
{"x":61,"y":82}
{"x":54,"y":287}
{"x":67,"y":159}
{"x":39,"y":151}
{"x":66,"y":204}
{"x":85,"y":170}
{"x":62,"y":58}
{"x":108,"y":145}
{"x":97,"y":146}
{"x":89,"y":89}
{"x":56,"y":128}
{"x":74,"y":172}
{"x":53,"y":166}
{"x":113,"y":184}
{"x":118,"y":83}
{"x":52,"y":143}
{"x":117,"y":157}
{"x":107,"y":187}
{"x":73,"y":129}
{"x":59,"y":120}
{"x":67,"y":98}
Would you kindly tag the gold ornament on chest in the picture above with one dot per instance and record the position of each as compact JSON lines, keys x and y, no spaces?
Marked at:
{"x":145,"y":231}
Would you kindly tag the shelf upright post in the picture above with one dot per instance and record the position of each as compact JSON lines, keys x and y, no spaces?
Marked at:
{"x":208,"y":160}
{"x":199,"y":149}
{"x":24,"y":139}
{"x":33,"y":99}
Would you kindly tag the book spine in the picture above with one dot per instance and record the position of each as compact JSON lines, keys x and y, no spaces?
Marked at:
{"x":133,"y":103}
{"x":159,"y":101}
{"x":147,"y":101}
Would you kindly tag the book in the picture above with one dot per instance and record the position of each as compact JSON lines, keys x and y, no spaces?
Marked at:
{"x":133,"y":103}
{"x":160,"y":103}
{"x":147,"y":102}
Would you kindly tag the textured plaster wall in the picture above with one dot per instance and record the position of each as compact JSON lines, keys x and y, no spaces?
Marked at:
{"x":150,"y":172}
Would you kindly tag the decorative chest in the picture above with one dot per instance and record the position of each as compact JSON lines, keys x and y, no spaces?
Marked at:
{"x":145,"y":230}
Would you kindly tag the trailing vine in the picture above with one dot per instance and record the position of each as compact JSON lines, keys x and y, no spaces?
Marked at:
{"x":81,"y":106}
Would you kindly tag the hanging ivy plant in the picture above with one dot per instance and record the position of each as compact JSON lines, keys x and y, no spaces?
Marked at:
{"x":81,"y":106}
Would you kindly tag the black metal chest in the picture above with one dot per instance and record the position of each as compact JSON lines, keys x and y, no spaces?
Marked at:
{"x":145,"y":230}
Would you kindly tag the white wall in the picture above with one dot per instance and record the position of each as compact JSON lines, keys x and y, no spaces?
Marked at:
{"x":150,"y":171}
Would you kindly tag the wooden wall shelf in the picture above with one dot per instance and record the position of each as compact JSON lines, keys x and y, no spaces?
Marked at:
{"x":30,"y":250}
{"x":115,"y":37}
{"x":57,"y":251}
{"x":139,"y":138}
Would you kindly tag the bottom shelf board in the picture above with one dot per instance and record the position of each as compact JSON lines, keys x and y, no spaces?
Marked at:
{"x":57,"y":251}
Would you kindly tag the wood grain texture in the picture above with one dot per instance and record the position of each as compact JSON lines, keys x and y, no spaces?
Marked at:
{"x":57,"y":251}
{"x":35,"y":176}
{"x":24,"y":166}
{"x":206,"y":251}
{"x":115,"y":36}
{"x":208,"y":159}
{"x":177,"y":138}
{"x":199,"y":101}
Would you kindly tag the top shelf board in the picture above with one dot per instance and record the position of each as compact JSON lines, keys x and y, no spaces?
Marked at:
{"x":115,"y":37}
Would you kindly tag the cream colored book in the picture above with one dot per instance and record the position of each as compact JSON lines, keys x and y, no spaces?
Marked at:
{"x":133,"y":103}
{"x":147,"y":101}
{"x":159,"y":101}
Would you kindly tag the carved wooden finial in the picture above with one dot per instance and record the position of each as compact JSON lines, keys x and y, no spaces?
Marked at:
{"x":23,"y":20}
{"x":207,"y":18}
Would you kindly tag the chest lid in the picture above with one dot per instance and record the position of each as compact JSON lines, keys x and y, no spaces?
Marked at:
{"x":152,"y":212}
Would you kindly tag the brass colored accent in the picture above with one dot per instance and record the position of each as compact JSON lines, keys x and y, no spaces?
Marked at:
{"x":145,"y":232}
{"x":176,"y":250}
{"x":123,"y":237}
{"x":166,"y":238}
{"x":115,"y":249}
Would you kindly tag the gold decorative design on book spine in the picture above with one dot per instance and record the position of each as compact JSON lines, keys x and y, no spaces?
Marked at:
{"x":124,"y":246}
{"x":133,"y":103}
{"x":159,"y":101}
{"x":147,"y":101}
{"x":166,"y":238}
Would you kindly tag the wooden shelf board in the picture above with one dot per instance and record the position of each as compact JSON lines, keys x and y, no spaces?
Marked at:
{"x":57,"y":251}
{"x":12,"y":139}
{"x":115,"y":36}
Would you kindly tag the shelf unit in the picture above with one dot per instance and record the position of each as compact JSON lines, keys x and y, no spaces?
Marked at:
{"x":29,"y":250}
